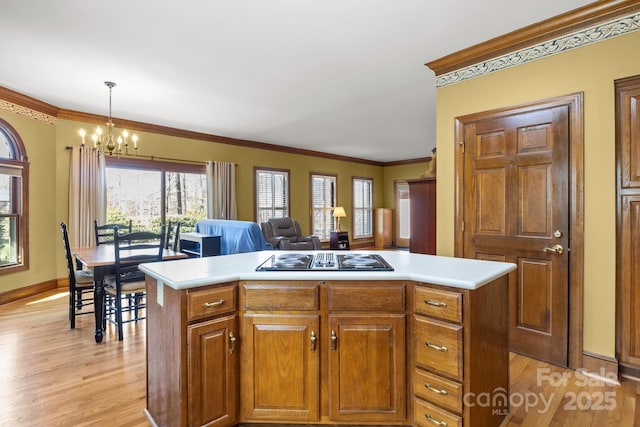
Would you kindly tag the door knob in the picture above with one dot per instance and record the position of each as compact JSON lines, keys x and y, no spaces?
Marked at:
{"x":557,"y":249}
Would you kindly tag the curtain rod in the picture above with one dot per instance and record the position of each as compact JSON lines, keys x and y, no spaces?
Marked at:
{"x":152,"y":158}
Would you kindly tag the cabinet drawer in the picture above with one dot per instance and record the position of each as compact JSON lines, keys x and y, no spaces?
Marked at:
{"x":366,"y":297}
{"x":439,"y":346}
{"x":210,"y":302}
{"x":428,"y":415}
{"x":441,"y":391}
{"x":445,"y":305}
{"x":280,"y":297}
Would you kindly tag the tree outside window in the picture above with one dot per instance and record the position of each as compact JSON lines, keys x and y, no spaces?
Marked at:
{"x":152,"y":193}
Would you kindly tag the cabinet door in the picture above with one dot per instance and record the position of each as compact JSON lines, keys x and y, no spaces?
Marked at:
{"x":281,"y":379}
{"x":367,"y":367}
{"x":213,"y":372}
{"x":422,"y":214}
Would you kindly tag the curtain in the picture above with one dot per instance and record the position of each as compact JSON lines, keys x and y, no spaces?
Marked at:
{"x":87,"y":195}
{"x":221,"y":190}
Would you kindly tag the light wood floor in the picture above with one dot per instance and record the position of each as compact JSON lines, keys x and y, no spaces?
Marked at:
{"x":53,"y":376}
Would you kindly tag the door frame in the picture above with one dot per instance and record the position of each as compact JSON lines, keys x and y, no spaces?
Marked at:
{"x":397,"y":241}
{"x":576,"y":202}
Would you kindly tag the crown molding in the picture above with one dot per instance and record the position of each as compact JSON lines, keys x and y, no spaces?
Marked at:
{"x":578,"y":19}
{"x":26,"y":106}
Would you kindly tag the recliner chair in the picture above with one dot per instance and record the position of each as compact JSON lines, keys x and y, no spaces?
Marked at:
{"x":285,"y":233}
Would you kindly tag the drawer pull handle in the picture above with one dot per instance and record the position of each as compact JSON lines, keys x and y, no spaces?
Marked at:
{"x":213,"y":304}
{"x":232,"y":342}
{"x":313,"y":340}
{"x":334,"y":341}
{"x":435,"y":390}
{"x":436,"y":347}
{"x":436,"y":422}
{"x":435,"y":303}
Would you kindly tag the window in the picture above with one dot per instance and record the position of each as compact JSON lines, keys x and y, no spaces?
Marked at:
{"x":362,"y":208}
{"x":323,"y":200}
{"x":271,"y":193}
{"x":14,"y":174}
{"x":151,"y":193}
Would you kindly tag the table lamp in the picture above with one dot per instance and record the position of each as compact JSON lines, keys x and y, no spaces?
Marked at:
{"x":338,"y":212}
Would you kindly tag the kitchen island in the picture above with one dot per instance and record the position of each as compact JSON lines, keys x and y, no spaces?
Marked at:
{"x":418,"y":345}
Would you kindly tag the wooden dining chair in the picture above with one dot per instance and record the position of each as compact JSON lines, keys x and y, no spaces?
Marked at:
{"x":104,"y":233}
{"x":131,"y":249}
{"x":80,"y":282}
{"x":173,"y":236}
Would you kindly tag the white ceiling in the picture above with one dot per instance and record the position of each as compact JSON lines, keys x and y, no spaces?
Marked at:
{"x":338,"y":76}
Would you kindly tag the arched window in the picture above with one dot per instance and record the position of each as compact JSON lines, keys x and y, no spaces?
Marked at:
{"x":14,"y":179}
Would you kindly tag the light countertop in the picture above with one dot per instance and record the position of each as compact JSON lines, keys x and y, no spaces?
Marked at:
{"x":456,"y":272}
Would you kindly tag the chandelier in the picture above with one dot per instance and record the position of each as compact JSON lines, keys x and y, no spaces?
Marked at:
{"x":105,"y":143}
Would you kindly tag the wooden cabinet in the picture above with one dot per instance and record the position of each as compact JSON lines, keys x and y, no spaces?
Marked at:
{"x":362,"y":344}
{"x":366,"y":345}
{"x":366,"y":367}
{"x":628,"y":248}
{"x":192,"y":355}
{"x":339,"y":240}
{"x":422,"y":215}
{"x":213,"y":371}
{"x":460,"y":354}
{"x":281,"y":357}
{"x":326,"y":352}
{"x":281,"y":365}
{"x":383,"y":228}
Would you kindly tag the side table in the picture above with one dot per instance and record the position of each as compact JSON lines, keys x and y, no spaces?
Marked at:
{"x":339,"y":240}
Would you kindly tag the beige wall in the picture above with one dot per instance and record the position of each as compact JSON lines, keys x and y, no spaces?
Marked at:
{"x":49,"y":180}
{"x":40,"y":144}
{"x":592,"y":70}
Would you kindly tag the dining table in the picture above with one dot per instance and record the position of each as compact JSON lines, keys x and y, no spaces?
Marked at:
{"x":101,"y":259}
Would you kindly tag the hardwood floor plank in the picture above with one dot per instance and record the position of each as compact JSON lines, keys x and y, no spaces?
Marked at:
{"x":54,"y":376}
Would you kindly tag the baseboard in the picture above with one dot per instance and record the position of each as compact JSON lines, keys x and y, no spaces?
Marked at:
{"x":630,"y":372}
{"x":602,"y":367}
{"x":28,"y":291}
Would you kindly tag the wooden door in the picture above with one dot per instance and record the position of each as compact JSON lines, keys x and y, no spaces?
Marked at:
{"x":366,"y":368}
{"x":213,"y":372}
{"x":628,"y":261}
{"x":281,"y":379}
{"x":517,"y":209}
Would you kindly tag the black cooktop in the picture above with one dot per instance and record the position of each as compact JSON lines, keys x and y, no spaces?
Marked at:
{"x":352,"y":261}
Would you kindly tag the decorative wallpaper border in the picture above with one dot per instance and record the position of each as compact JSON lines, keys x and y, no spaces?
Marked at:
{"x":27,"y":112}
{"x":580,"y":38}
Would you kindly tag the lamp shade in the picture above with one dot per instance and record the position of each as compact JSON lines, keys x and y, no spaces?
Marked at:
{"x":338,"y":212}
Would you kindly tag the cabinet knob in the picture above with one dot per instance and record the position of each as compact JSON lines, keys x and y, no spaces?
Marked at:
{"x":334,"y":340}
{"x":313,"y":340}
{"x":232,"y":342}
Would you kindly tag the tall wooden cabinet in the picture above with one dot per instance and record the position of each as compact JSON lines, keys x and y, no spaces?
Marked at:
{"x":383,"y":227}
{"x":422,"y":215}
{"x":628,"y":230}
